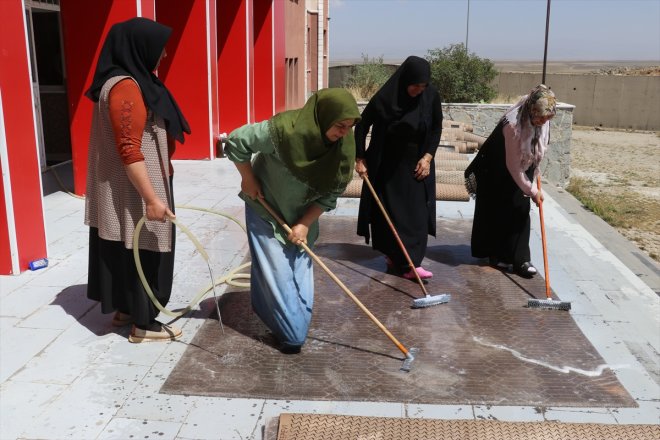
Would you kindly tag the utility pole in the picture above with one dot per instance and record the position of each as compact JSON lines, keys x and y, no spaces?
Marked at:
{"x":467,"y":27}
{"x":545,"y":49}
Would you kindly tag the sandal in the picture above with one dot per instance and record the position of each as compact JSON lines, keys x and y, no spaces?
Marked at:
{"x":166,"y":333}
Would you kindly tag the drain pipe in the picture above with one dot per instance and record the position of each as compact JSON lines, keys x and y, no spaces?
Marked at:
{"x":307,"y":67}
{"x":319,"y":44}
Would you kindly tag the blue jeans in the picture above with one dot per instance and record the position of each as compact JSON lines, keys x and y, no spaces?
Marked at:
{"x":281,"y":282}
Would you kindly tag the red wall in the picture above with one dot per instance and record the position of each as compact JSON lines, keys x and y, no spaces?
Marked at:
{"x":263,"y":60}
{"x":22,"y":155}
{"x":213,"y":42}
{"x":84,"y":27}
{"x":185,"y":71}
{"x":280,"y":54}
{"x":148,"y":9}
{"x":211,"y":69}
{"x":234,"y":63}
{"x":5,"y":249}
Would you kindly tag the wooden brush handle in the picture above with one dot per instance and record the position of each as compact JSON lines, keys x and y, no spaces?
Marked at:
{"x":396,"y":235}
{"x":548,"y":293}
{"x":337,"y":280}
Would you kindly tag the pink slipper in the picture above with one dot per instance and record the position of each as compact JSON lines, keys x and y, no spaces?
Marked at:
{"x":423,"y":274}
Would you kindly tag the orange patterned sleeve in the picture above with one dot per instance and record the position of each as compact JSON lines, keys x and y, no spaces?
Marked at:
{"x":128,"y":116}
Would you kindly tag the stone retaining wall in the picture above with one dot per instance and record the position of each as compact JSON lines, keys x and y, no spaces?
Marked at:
{"x":615,"y":101}
{"x":555,"y":167}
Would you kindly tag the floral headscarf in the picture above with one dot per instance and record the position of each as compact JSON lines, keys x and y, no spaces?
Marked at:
{"x":539,"y":102}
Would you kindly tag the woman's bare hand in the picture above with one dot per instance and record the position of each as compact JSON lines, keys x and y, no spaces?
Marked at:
{"x":360,"y":167}
{"x":298,"y":234}
{"x":538,"y":198}
{"x":423,"y":168}
{"x":157,"y":210}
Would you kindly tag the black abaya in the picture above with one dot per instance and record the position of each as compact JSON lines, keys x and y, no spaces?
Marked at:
{"x":403,"y":130}
{"x":501,"y":225}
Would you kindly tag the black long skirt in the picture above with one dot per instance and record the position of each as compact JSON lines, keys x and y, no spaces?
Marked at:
{"x":404,"y":198}
{"x":501,"y":225}
{"x":113,"y":279}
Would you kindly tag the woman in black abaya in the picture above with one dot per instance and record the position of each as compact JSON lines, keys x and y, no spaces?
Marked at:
{"x":405,"y":117}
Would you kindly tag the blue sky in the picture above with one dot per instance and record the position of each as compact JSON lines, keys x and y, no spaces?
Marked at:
{"x":580,"y":30}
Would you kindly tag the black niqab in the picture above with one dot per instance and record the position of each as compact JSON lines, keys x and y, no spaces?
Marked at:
{"x":392,"y":101}
{"x":133,"y":48}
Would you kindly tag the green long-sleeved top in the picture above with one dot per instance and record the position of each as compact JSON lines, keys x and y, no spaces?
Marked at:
{"x":286,"y":194}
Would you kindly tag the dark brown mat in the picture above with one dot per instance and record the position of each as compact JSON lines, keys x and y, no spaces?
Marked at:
{"x":331,"y":427}
{"x":482,"y":347}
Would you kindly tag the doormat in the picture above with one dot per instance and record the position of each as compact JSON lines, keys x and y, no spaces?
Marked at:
{"x":483,"y":347}
{"x":334,"y":427}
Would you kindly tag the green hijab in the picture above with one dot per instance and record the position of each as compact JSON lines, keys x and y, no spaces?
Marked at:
{"x":299,"y":137}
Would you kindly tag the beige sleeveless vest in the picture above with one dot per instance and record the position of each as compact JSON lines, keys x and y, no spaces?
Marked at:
{"x":112,"y":203}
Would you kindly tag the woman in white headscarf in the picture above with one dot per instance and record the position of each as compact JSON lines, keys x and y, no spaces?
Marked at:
{"x":501,"y":178}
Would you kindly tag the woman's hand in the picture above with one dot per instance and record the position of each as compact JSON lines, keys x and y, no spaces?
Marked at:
{"x":538,"y":198}
{"x":423,"y":168}
{"x":300,"y":230}
{"x":360,"y":167}
{"x":157,"y":210}
{"x":298,"y":234}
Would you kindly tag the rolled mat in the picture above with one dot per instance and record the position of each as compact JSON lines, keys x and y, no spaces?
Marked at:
{"x":450,"y":155}
{"x":339,"y":427}
{"x":448,"y":187}
{"x":456,"y":165}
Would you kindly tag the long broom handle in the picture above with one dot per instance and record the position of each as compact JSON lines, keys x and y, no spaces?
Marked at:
{"x":336,"y":280}
{"x":396,"y":235}
{"x":548,"y":294}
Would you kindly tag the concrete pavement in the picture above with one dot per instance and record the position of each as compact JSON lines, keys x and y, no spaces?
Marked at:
{"x":65,"y":372}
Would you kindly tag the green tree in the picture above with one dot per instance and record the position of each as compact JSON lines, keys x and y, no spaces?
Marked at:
{"x":366,"y":78}
{"x":461,"y":76}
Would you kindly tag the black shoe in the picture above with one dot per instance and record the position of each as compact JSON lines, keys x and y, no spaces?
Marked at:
{"x":290,"y":349}
{"x":497,"y":264}
{"x":526,"y":270}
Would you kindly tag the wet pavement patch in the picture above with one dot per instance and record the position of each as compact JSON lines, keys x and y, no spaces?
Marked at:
{"x":483,"y":347}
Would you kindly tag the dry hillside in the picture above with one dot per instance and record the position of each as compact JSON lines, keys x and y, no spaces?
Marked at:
{"x":616,"y":173}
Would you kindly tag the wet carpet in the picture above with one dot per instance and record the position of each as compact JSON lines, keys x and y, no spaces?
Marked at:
{"x":483,"y":347}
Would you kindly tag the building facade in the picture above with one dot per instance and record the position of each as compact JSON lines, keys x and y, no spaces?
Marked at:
{"x":230,"y":62}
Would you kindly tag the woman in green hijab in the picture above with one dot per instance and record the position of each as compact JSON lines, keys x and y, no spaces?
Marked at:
{"x":299,"y":162}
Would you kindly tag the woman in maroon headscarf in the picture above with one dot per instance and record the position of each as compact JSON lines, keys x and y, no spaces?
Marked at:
{"x":405,"y":117}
